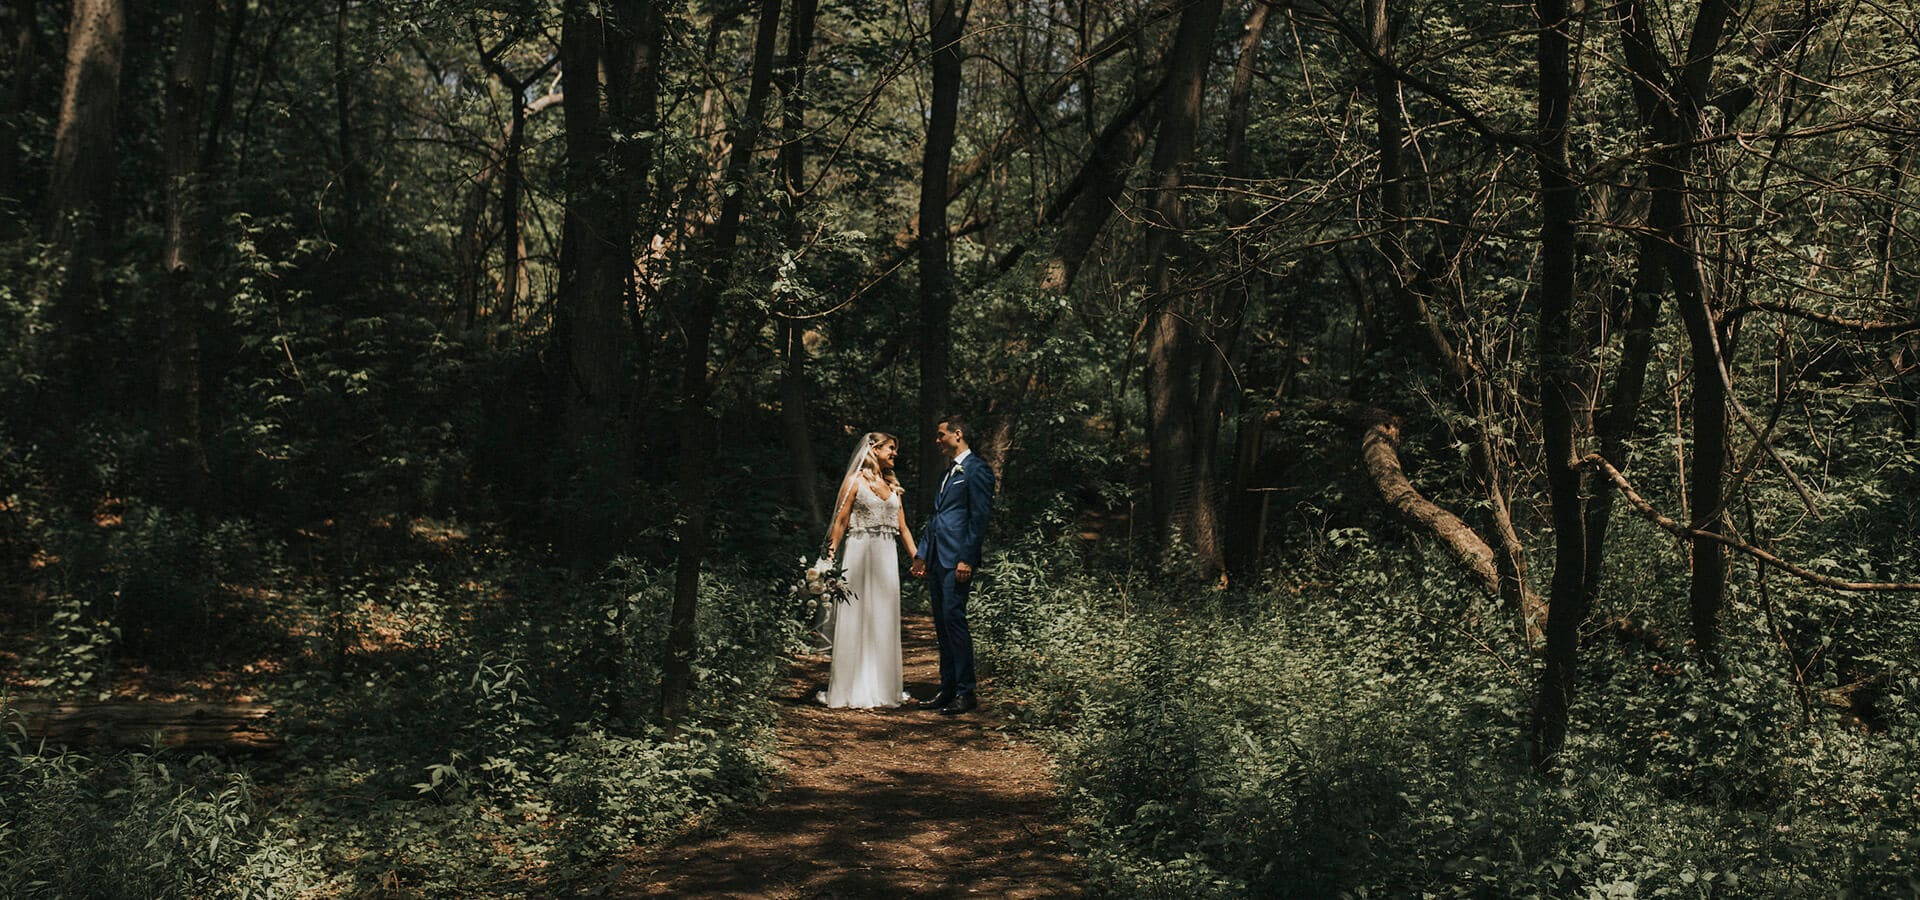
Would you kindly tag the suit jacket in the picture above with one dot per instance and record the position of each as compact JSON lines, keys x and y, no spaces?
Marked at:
{"x":959,"y":520}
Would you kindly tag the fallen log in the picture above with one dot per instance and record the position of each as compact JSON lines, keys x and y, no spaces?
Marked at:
{"x":226,"y":727}
{"x":1380,"y":456}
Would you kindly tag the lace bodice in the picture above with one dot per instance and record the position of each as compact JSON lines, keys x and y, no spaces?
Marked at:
{"x":872,"y":515}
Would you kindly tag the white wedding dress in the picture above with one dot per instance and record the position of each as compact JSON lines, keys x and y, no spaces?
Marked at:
{"x":866,"y":628}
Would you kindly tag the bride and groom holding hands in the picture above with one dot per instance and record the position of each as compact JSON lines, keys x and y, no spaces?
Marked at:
{"x":870,"y":518}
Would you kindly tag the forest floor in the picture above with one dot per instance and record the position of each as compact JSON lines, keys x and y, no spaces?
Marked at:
{"x":885,"y":802}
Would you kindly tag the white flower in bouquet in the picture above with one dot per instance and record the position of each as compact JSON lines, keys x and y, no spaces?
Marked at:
{"x":822,"y":580}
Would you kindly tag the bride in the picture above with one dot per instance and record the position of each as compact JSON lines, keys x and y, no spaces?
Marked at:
{"x":866,"y":630}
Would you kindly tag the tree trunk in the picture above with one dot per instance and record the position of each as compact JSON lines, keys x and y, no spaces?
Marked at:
{"x":184,"y":469}
{"x":83,"y":158}
{"x":1558,"y":349}
{"x":510,"y":191}
{"x":1171,"y":396}
{"x":1674,"y":117}
{"x":696,"y":423}
{"x":1380,"y":457}
{"x":1623,"y":404}
{"x":1209,"y":526}
{"x":792,"y":166}
{"x":946,"y":19}
{"x":1100,"y":182}
{"x":606,"y":181}
{"x":471,"y":243}
{"x":83,"y":167}
{"x":352,"y":192}
{"x":223,"y":95}
{"x":1391,"y":131}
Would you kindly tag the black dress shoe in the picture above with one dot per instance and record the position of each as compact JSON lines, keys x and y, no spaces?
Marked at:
{"x":960,"y":704}
{"x":937,"y":701}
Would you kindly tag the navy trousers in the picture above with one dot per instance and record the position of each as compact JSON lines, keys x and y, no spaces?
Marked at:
{"x":950,"y":626}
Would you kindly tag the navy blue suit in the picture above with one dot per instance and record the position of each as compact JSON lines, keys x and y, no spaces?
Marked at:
{"x":952,"y":535}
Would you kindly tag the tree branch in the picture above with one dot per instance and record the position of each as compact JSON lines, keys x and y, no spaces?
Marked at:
{"x":1596,"y":461}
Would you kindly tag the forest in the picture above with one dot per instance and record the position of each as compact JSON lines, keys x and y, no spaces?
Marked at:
{"x":1443,"y":448}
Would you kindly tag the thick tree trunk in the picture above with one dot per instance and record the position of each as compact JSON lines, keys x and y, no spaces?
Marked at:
{"x":596,"y":236}
{"x":696,"y":423}
{"x":946,"y":20}
{"x":1558,"y":349}
{"x":83,"y":159}
{"x":1171,"y":392}
{"x":591,"y":332}
{"x":792,"y":166}
{"x":178,"y":371}
{"x":1707,"y":588}
{"x":1209,"y":525}
{"x":83,"y":167}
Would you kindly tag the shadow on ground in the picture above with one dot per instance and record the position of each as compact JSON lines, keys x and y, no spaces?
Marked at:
{"x":882,"y":803}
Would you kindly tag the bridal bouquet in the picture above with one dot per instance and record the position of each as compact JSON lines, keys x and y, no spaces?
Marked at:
{"x":822,"y":583}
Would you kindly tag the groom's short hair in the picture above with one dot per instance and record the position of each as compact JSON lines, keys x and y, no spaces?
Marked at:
{"x":957,"y":423}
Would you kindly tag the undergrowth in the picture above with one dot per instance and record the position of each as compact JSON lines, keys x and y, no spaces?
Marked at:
{"x":1357,"y":728}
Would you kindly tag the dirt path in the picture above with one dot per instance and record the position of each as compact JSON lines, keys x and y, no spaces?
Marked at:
{"x":883,"y":803}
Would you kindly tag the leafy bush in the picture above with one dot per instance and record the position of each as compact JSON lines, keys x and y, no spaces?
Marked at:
{"x":611,"y":791}
{"x":1360,"y":731}
{"x":139,"y":825}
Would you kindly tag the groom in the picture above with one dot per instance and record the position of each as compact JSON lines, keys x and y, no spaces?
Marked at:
{"x":949,"y":554}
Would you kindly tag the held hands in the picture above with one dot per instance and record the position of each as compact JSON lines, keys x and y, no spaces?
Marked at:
{"x":962,"y":572}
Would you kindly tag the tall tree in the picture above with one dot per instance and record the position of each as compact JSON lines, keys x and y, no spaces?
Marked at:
{"x":178,"y":375}
{"x":1236,"y":296}
{"x":792,"y":168}
{"x":511,"y":165}
{"x":696,"y":423}
{"x":83,"y":159}
{"x":1557,"y":349}
{"x":1674,"y":115}
{"x":606,"y":181}
{"x":946,"y":20}
{"x":1171,"y":392}
{"x":1466,"y":382}
{"x":83,"y":162}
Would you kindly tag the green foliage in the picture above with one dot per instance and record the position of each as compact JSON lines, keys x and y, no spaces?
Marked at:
{"x":499,"y":740}
{"x":1340,"y":733}
{"x":611,"y":791}
{"x":139,"y":825}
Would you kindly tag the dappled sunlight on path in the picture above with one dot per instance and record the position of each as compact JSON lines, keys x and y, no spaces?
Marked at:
{"x":882,"y":803}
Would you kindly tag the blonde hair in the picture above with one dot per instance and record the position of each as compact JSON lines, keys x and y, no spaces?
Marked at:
{"x":876,"y":440}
